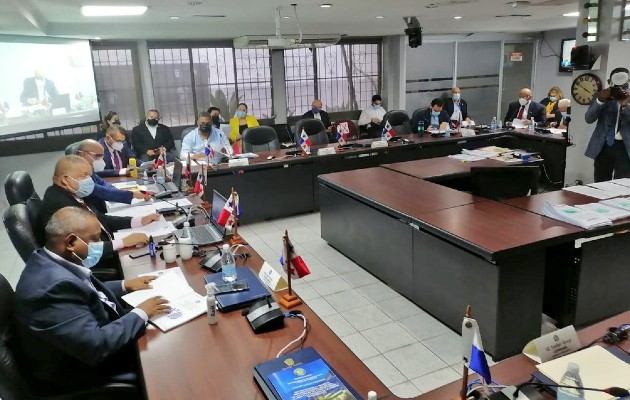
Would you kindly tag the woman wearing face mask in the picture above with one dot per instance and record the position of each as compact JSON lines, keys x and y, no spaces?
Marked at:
{"x":110,"y":119}
{"x":239,"y":123}
{"x":551,"y":101}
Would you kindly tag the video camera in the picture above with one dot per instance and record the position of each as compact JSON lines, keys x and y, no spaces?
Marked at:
{"x":619,"y":83}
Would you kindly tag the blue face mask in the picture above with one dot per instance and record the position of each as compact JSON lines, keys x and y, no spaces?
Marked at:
{"x":241,"y":114}
{"x":315,"y":110}
{"x":435,"y":113}
{"x":95,"y":252}
{"x":376,"y":106}
{"x":86,"y":187}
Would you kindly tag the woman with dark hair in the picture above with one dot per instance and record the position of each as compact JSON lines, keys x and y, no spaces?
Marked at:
{"x":239,"y":123}
{"x":110,"y":119}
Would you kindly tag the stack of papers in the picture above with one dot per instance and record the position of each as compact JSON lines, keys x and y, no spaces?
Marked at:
{"x":128,"y":185}
{"x":612,"y":213}
{"x":590,"y":191}
{"x":113,"y":206}
{"x":612,"y":188}
{"x":575,"y":216}
{"x":245,"y":155}
{"x":487,"y":152}
{"x":466,"y":157}
{"x":149,"y":207}
{"x":620,"y":202}
{"x":155,"y":228}
{"x":185,"y":303}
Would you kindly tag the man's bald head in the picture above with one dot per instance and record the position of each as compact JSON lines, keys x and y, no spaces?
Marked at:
{"x":90,"y":145}
{"x":69,"y":231}
{"x":69,"y":164}
{"x":317,"y":104}
{"x":525,"y":93}
{"x":69,"y":170}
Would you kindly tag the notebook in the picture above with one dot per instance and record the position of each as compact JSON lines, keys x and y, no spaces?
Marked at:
{"x":227,"y":302}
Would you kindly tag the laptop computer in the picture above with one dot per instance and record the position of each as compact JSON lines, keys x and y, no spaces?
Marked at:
{"x":174,"y":185}
{"x":211,"y":233}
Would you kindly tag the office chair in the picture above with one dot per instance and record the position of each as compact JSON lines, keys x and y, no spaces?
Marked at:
{"x":260,"y":138}
{"x":415,"y":118}
{"x":19,"y":188}
{"x":72,"y":149}
{"x":354,"y":131}
{"x":315,"y":130}
{"x":185,"y":131}
{"x":399,"y":120}
{"x":501,"y":183}
{"x":15,"y":386}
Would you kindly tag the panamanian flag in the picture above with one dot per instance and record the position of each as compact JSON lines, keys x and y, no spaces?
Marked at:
{"x":305,"y":141}
{"x":388,"y":131}
{"x":200,"y":183}
{"x":472,"y":351}
{"x":226,"y":218}
{"x":297,"y":266}
{"x":161,"y":160}
{"x":342,"y":136}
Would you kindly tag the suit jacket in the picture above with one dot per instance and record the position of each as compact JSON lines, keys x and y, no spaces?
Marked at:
{"x":606,"y":117}
{"x":29,"y":89}
{"x":142,"y":141}
{"x":425,"y":116}
{"x":558,"y":119}
{"x":104,"y":191}
{"x":125,"y":154}
{"x":323,"y":114}
{"x":68,"y":337}
{"x":449,"y":106}
{"x":535,"y":110}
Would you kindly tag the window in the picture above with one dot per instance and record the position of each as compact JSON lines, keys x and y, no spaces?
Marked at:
{"x":116,"y":84}
{"x":215,"y":82}
{"x":300,"y":80}
{"x":253,"y":70}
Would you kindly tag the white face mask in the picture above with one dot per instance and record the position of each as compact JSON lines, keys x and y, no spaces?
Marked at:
{"x":522,"y":101}
{"x":98,"y":165}
{"x":553,"y":99}
{"x":118,"y":146}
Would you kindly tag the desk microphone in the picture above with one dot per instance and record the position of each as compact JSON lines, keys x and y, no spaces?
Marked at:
{"x":179,"y":220}
{"x":613,"y":390}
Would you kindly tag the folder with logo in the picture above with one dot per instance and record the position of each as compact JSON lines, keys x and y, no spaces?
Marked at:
{"x":227,"y":302}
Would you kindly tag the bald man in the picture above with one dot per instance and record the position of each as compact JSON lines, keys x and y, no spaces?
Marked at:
{"x":316,"y":112}
{"x":456,"y":107}
{"x":562,"y":118}
{"x":72,"y":183}
{"x":38,"y":90}
{"x":74,"y":333}
{"x":92,"y":152}
{"x":526,"y":109}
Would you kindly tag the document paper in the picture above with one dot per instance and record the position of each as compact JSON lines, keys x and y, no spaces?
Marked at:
{"x":160,"y":227}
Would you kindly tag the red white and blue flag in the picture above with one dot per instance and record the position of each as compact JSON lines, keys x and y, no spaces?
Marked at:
{"x":296,"y":267}
{"x":187,"y":170}
{"x":388,"y":131}
{"x":161,"y":160}
{"x":200,"y":183}
{"x":226,"y":218}
{"x":472,"y":350}
{"x":209,"y":151}
{"x":305,"y":141}
{"x":342,"y":136}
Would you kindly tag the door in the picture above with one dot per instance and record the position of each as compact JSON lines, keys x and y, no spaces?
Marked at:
{"x":518,"y":64}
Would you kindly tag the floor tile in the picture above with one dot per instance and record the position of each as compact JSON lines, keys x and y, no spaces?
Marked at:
{"x":339,"y":325}
{"x":305,"y":291}
{"x":321,"y":307}
{"x":415,"y":360}
{"x":398,"y":308}
{"x":359,"y":278}
{"x":262,"y":228}
{"x":448,"y":347}
{"x":423,"y":326}
{"x":385,"y":371}
{"x":347,"y":300}
{"x":387,"y":337}
{"x":360,"y":346}
{"x":378,"y":292}
{"x":330,"y":285}
{"x":318,"y":271}
{"x":302,"y":234}
{"x":316,"y":245}
{"x":406,"y":390}
{"x":365,"y":317}
{"x":289,"y":224}
{"x":435,"y":379}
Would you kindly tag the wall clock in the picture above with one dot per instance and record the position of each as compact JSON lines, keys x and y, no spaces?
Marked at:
{"x":585,"y":87}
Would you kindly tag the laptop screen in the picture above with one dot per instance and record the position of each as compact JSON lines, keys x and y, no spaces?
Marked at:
{"x":177,"y":173}
{"x":218,"y":202}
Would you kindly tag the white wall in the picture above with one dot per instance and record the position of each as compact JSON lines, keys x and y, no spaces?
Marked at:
{"x":547,"y":74}
{"x":40,"y":166}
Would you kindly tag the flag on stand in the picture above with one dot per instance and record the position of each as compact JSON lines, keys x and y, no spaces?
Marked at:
{"x":161,"y":160}
{"x":226,"y":218}
{"x":187,"y":170}
{"x":209,"y":151}
{"x":341,"y":135}
{"x":305,"y":141}
{"x":472,"y":351}
{"x":388,"y":131}
{"x":296,"y":265}
{"x":200,"y":183}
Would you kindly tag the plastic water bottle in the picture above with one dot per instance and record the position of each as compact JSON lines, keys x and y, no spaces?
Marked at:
{"x":185,"y":243}
{"x":571,"y":378}
{"x":447,"y":131}
{"x":160,"y":176}
{"x":500,"y":124}
{"x":421,"y":128}
{"x":228,"y":265}
{"x":145,"y":176}
{"x":532,"y":125}
{"x":211,"y":289}
{"x":493,"y":124}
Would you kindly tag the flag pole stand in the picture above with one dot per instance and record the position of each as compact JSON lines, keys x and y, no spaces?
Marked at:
{"x":236,"y":238}
{"x":289,"y":300}
{"x":204,"y":203}
{"x":464,"y":389}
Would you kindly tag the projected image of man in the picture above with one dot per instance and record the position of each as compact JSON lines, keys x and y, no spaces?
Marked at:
{"x":38,"y":89}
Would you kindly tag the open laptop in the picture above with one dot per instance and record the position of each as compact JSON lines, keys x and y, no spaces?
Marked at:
{"x":211,"y":233}
{"x":175,"y":183}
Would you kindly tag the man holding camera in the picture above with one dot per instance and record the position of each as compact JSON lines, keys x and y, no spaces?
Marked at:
{"x":610,"y":143}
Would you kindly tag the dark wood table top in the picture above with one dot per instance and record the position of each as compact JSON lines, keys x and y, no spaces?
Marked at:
{"x":439,"y":167}
{"x":535,"y":203}
{"x":518,"y":369}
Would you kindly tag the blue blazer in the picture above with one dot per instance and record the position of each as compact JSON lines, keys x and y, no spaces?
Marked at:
{"x":425,"y":115}
{"x":104,"y":191}
{"x":125,"y":154}
{"x":68,"y":337}
{"x":606,"y":117}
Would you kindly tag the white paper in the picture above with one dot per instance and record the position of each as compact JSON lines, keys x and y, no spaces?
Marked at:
{"x":113,"y":206}
{"x":468,"y":123}
{"x":246,"y":155}
{"x":553,"y":345}
{"x":612,"y":188}
{"x":620,"y":202}
{"x":155,"y":228}
{"x":127,"y":185}
{"x":137,"y":211}
{"x":519,"y":123}
{"x":557,"y":131}
{"x":612,"y":213}
{"x":622,"y":181}
{"x":161,"y":206}
{"x":466,"y":157}
{"x":575,"y":216}
{"x":589,"y":191}
{"x":184,"y":309}
{"x":271,"y":278}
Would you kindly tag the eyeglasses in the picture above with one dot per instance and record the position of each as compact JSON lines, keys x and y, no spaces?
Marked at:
{"x":92,"y":155}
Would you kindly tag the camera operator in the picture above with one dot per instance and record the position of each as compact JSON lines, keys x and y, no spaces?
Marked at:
{"x":610,"y":143}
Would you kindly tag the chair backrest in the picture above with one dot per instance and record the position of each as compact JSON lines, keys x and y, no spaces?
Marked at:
{"x":500,"y":183}
{"x":314,"y":128}
{"x":354,"y":131}
{"x":19,"y":188}
{"x":72,"y":148}
{"x":260,"y":138}
{"x":18,"y":225}
{"x":12,"y":384}
{"x":185,"y":131}
{"x":399,"y":120}
{"x":284,"y":133}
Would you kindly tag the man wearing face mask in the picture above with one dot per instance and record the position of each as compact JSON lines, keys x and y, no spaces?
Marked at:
{"x":435,"y":118}
{"x":93,"y":152}
{"x":525,"y":109}
{"x":456,"y":107}
{"x":150,"y":136}
{"x":215,"y":115}
{"x":116,"y":153}
{"x":371,"y":118}
{"x":74,"y":332}
{"x":72,"y":184}
{"x":206,"y":135}
{"x":562,"y":118}
{"x":316,"y":112}
{"x":609,"y":145}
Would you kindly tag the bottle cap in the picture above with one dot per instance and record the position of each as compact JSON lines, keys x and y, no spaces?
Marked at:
{"x":211,"y":288}
{"x":371,"y":395}
{"x":573,"y":368}
{"x":186,"y":224}
{"x":226,"y":247}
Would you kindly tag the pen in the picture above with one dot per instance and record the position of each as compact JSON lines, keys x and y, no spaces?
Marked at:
{"x":151,"y":246}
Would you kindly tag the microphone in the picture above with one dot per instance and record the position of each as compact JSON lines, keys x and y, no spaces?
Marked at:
{"x":179,"y":220}
{"x":613,"y":390}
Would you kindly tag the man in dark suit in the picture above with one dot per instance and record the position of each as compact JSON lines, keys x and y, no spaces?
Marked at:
{"x":38,"y":90}
{"x":149,"y":136}
{"x":316,"y":112}
{"x":561,"y":118}
{"x":609,"y":145}
{"x":73,"y":331}
{"x":526,"y":109}
{"x":116,"y":152}
{"x":435,"y":118}
{"x":456,"y":107}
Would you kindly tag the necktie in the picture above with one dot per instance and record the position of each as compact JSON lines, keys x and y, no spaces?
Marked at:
{"x":116,"y":160}
{"x":520,"y":113}
{"x":85,"y":206}
{"x":610,"y":138}
{"x":102,"y":296}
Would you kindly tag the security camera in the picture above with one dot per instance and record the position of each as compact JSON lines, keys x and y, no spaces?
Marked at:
{"x":413,"y":31}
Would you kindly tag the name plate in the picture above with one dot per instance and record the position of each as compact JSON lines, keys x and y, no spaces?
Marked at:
{"x":271,"y":278}
{"x":325,"y":151}
{"x":238,"y":162}
{"x":553,"y":345}
{"x":378,"y":144}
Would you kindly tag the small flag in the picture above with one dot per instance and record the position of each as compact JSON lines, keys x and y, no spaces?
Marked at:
{"x":187,"y":170}
{"x":200,"y":183}
{"x":296,"y":264}
{"x":161,"y":161}
{"x":388,"y":131}
{"x":344,"y":127}
{"x":341,"y":135}
{"x":305,"y":142}
{"x":472,"y":351}
{"x":226,"y":218}
{"x":209,"y":151}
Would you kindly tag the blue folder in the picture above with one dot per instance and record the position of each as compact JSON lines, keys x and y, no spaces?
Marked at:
{"x":227,"y":302}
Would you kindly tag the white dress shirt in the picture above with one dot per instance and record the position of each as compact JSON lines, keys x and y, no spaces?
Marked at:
{"x":367,"y":114}
{"x":457,"y":112}
{"x":41,"y":89}
{"x":152,"y":129}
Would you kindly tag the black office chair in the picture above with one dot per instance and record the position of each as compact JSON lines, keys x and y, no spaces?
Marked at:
{"x":19,"y":188}
{"x":185,"y":131}
{"x":399,"y":120}
{"x":501,"y":183}
{"x":72,"y":148}
{"x":260,"y":138}
{"x":15,"y":386}
{"x":315,"y":130}
{"x":415,"y":118}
